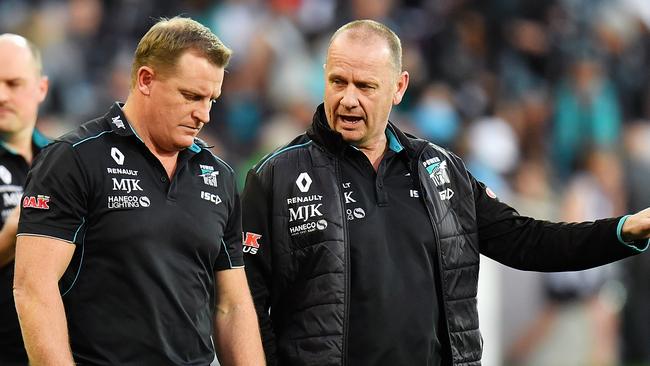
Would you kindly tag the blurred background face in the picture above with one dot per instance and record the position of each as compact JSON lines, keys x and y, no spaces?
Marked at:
{"x":22,"y":88}
{"x":180,"y":102}
{"x":361,"y":86}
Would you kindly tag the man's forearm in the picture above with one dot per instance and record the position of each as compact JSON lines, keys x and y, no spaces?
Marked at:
{"x":44,"y":326}
{"x":237,"y":336}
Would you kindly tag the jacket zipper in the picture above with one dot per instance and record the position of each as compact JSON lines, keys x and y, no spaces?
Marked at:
{"x":438,"y":254}
{"x":346,"y":263}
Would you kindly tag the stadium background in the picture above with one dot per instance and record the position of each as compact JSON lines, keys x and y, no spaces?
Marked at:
{"x":547,"y":101}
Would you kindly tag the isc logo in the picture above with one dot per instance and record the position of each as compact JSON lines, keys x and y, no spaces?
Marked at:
{"x":214,"y":198}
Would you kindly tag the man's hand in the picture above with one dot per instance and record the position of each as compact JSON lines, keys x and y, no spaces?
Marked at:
{"x":637,"y":226}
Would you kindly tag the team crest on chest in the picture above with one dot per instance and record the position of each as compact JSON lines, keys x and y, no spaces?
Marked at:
{"x":209,"y":175}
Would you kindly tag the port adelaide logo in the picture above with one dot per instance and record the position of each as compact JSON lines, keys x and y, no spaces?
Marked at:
{"x":305,"y":211}
{"x":439,"y":174}
{"x":209,"y":175}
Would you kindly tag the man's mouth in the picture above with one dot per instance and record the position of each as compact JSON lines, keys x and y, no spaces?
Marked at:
{"x":350,"y":119}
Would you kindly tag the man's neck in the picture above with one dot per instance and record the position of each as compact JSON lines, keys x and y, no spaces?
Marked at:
{"x":134,"y":117}
{"x":20,"y":143}
{"x":375,"y":152}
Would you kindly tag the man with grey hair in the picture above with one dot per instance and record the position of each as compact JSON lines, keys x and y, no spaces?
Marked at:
{"x":129,"y":241}
{"x":22,"y":88}
{"x":362,"y":243}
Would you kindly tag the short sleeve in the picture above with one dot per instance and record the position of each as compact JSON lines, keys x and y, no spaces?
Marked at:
{"x":231,"y":255}
{"x":54,"y":202}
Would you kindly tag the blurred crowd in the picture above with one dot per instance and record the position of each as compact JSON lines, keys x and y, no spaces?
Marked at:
{"x":547,"y":101}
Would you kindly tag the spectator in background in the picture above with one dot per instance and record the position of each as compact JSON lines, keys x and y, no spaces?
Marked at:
{"x":587,"y":113}
{"x":22,"y":88}
{"x":595,"y":191}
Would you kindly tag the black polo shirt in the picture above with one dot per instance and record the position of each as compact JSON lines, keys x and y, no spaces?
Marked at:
{"x":13,"y":172}
{"x":140,"y":287}
{"x":393,"y":302}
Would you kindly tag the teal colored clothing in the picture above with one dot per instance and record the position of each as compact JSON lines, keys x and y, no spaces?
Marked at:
{"x":579,"y":125}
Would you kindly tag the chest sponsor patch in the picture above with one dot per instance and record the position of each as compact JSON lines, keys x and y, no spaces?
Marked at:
{"x":118,"y":202}
{"x":5,"y":175}
{"x":209,"y":175}
{"x":303,"y":182}
{"x":438,"y":173}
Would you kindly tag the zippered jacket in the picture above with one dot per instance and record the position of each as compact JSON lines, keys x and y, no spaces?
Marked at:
{"x":299,"y":270}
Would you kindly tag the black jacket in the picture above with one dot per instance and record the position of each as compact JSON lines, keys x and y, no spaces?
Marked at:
{"x":298,"y":272}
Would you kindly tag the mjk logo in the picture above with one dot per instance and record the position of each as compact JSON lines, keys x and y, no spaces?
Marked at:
{"x":304,"y":213}
{"x":126,"y":184}
{"x":117,"y":156}
{"x":303,"y":182}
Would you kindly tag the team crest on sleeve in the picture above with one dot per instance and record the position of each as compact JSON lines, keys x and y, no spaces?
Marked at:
{"x":209,"y":175}
{"x":251,"y":244}
{"x":40,"y":202}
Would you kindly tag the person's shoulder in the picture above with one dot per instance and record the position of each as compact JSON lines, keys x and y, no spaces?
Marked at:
{"x":420,"y":143}
{"x":88,"y":131}
{"x":287,"y":153}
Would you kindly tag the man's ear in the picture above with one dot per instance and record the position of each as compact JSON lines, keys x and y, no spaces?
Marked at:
{"x":144,"y":79}
{"x":402,"y":85}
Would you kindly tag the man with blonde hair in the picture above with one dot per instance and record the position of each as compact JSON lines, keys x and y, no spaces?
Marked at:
{"x":129,"y":241}
{"x":22,"y":88}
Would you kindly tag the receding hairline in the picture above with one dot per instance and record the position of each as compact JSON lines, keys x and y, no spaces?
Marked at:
{"x":367,"y":30}
{"x":22,"y":42}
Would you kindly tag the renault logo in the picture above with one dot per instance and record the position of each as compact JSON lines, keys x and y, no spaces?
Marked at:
{"x":303,"y":182}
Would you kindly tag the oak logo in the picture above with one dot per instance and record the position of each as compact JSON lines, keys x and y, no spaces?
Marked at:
{"x":40,"y":202}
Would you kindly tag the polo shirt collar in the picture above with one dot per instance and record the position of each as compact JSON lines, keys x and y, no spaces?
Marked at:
{"x":120,"y":125}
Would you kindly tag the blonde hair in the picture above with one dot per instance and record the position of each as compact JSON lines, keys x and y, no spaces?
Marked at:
{"x":168,"y":39}
{"x":366,"y":28}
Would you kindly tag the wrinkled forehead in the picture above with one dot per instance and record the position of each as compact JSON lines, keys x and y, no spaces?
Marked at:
{"x":360,"y":46}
